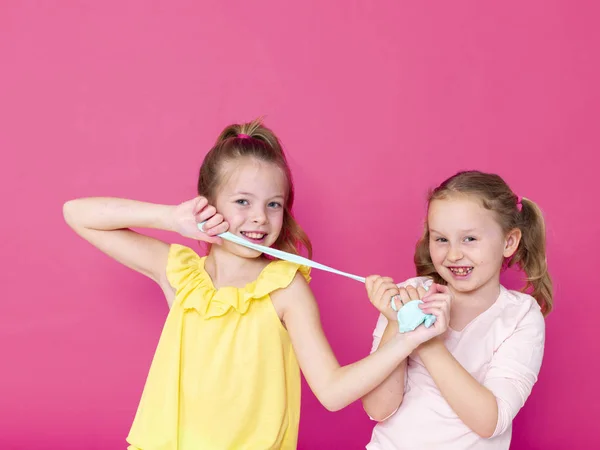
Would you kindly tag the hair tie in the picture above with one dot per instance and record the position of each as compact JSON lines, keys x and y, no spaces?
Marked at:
{"x":243,"y":136}
{"x":519,"y":203}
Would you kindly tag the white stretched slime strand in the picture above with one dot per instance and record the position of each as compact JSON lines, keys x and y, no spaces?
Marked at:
{"x":297,"y":259}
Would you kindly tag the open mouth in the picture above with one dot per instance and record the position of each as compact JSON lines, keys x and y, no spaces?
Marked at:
{"x":461,"y":271}
{"x":254,"y":236}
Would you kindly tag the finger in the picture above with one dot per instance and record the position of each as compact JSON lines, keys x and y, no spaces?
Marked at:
{"x":404,"y":297}
{"x":432,"y":290}
{"x":437,"y":289}
{"x":215,"y":240}
{"x":210,"y":239}
{"x":376,"y":288}
{"x":370,"y":283}
{"x":412,"y":293}
{"x":211,"y":223}
{"x":440,"y":304}
{"x":390,"y":291}
{"x":439,"y":313}
{"x":421,"y":291}
{"x":442,"y":288}
{"x":218,"y":229}
{"x":384,"y":280}
{"x":201,"y":202}
{"x":434,"y":297}
{"x":206,"y":213}
{"x":441,"y":320}
{"x":382,"y":296}
{"x":385,"y":300}
{"x":393,"y":300}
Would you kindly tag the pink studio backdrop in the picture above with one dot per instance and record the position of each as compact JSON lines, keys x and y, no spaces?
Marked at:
{"x":375,"y":103}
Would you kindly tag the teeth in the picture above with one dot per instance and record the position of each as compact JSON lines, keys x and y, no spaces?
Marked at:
{"x":461,"y":270}
{"x":254,"y":235}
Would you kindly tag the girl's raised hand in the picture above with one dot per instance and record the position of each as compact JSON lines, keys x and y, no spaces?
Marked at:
{"x":187,"y":216}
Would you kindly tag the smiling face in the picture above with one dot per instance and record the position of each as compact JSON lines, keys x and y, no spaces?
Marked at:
{"x":467,"y":244}
{"x":251,"y":198}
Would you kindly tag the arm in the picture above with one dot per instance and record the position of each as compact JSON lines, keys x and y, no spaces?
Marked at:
{"x":335,"y":386}
{"x":105,"y":223}
{"x":473,"y":403}
{"x":489,"y":408}
{"x":385,"y":399}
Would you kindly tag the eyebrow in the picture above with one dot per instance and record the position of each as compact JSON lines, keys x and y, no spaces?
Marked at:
{"x":249,"y":194}
{"x":431,"y":230}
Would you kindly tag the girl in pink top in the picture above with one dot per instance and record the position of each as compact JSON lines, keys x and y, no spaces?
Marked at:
{"x":463,"y":388}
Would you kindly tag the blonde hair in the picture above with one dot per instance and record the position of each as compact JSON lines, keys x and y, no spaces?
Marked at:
{"x":254,"y":140}
{"x":511,"y":212}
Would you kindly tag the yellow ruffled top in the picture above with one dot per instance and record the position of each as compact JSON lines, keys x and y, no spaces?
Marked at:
{"x":224,"y":375}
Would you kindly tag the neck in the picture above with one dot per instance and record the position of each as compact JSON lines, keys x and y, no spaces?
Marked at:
{"x":228,"y":269}
{"x":483,"y":297}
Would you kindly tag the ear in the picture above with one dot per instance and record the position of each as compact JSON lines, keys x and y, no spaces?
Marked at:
{"x":512,"y":242}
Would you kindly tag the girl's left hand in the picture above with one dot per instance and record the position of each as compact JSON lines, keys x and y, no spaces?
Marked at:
{"x":381,"y":290}
{"x":438,"y":302}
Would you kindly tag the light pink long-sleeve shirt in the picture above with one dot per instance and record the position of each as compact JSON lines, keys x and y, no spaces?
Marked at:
{"x":502,"y":348}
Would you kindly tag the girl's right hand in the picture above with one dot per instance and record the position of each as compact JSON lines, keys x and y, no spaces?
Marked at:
{"x":380,"y":291}
{"x":188,"y":215}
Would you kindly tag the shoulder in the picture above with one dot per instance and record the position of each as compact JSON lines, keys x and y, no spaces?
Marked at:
{"x":521,"y":308}
{"x":287,"y":279}
{"x":182,"y":264}
{"x":519,"y":319}
{"x":290,"y":290}
{"x":283,"y":276}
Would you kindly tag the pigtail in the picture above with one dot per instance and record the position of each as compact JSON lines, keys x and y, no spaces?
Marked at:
{"x":531,"y":254}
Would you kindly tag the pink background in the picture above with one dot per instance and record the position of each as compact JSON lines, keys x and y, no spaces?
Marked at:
{"x":375,"y":103}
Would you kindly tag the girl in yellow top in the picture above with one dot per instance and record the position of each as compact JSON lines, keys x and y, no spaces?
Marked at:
{"x":226,"y":371}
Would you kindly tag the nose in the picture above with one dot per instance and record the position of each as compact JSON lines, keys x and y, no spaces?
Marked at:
{"x":454,"y":254}
{"x":259,"y":216}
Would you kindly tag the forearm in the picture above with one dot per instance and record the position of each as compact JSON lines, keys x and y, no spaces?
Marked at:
{"x":474,"y":404}
{"x":351,"y":382}
{"x":104,"y":213}
{"x":382,"y":401}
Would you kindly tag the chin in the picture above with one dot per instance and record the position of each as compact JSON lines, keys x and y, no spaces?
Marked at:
{"x":462,"y":286}
{"x":463,"y":289}
{"x":243,"y":252}
{"x":467,"y":287}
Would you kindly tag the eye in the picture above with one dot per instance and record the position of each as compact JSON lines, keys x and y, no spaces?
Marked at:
{"x":441,"y":239}
{"x":275,"y":205}
{"x":242,"y":202}
{"x":470,"y":239}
